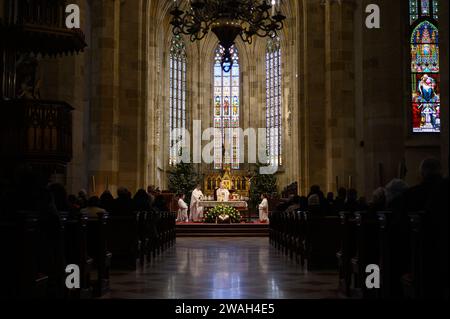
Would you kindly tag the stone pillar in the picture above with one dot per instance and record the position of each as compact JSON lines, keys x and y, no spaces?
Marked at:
{"x":339,"y":93}
{"x":311,"y":118}
{"x":384,"y":105}
{"x":104,"y":115}
{"x":131,"y":127}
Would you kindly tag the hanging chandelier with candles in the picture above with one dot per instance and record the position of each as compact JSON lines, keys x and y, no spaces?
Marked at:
{"x":228,"y":19}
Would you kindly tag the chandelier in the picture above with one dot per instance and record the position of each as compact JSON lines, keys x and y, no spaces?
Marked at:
{"x":228,"y":19}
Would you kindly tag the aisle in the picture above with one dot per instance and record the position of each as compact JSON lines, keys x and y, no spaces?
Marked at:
{"x":223,"y":268}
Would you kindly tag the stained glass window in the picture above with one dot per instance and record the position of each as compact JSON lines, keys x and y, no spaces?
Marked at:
{"x":177,"y":113}
{"x":273,"y":102}
{"x":226,"y":111}
{"x":425,"y":77}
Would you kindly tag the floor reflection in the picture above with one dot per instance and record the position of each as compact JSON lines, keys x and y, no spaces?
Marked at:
{"x":223,"y":268}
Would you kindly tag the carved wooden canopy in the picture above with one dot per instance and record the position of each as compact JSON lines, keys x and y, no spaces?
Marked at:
{"x":38,"y":26}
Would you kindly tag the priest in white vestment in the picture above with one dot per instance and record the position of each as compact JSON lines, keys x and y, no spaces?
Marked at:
{"x":223,"y":195}
{"x":264,"y":209}
{"x":182,"y":210}
{"x":196,"y":210}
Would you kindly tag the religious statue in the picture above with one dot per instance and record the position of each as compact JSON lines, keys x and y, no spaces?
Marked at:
{"x":28,"y":77}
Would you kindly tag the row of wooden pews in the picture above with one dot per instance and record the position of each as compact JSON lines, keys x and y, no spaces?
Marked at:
{"x":403,"y":247}
{"x":38,"y":249}
{"x":412,"y":256}
{"x":309,"y":238}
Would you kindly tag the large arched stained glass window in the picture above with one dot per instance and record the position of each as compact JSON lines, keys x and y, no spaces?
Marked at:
{"x":226,"y":112}
{"x":273,"y":102}
{"x":425,"y":79}
{"x":177,"y":113}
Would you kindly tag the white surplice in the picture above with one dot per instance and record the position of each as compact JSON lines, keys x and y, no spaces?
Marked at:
{"x":182,"y":211}
{"x":223,"y":195}
{"x":264,"y":210}
{"x":196,"y":210}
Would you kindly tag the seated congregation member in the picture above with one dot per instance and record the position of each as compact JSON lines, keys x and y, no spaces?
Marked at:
{"x":394,"y":192}
{"x":82,"y":198}
{"x":294,"y":204}
{"x":329,"y":204}
{"x":303,"y":203}
{"x":160,"y":204}
{"x":74,"y":208}
{"x":141,"y":201}
{"x":431,"y":176}
{"x":263,"y":209}
{"x":182,"y":215}
{"x":378,"y":202}
{"x":59,"y":196}
{"x":284,"y":203}
{"x":151,"y":194}
{"x":351,"y":204}
{"x":340,"y":200}
{"x":314,"y":206}
{"x":107,"y":201}
{"x":315,"y":190}
{"x":123,"y":204}
{"x":93,"y":208}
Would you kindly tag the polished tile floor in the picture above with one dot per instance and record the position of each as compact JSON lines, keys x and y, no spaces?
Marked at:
{"x":223,"y":268}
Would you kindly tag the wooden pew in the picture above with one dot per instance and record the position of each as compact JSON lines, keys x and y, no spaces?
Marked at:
{"x":367,"y":252}
{"x":24,"y":276}
{"x":321,"y":240}
{"x":98,"y":250}
{"x":386,"y":237}
{"x":426,"y":278}
{"x":124,"y":241}
{"x":346,"y":251}
{"x":77,"y":253}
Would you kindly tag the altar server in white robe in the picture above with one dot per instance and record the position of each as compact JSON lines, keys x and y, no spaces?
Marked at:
{"x":223,"y":195}
{"x":264,"y":209}
{"x":196,"y":210}
{"x":182,"y":210}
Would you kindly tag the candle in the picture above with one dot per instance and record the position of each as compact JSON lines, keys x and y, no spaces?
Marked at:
{"x":337,"y":183}
{"x":107,"y":183}
{"x":350,"y":181}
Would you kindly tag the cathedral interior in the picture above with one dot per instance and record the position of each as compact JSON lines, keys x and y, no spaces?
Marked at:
{"x":348,"y":98}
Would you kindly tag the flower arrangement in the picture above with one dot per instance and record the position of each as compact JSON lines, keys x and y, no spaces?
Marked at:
{"x":222,"y":213}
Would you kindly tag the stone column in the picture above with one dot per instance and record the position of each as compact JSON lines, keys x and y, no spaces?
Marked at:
{"x":311,"y":118}
{"x":384,"y":105}
{"x":104,"y":115}
{"x":339,"y":93}
{"x":131,"y":127}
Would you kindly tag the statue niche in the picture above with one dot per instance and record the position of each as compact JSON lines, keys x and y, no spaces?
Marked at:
{"x":28,"y":79}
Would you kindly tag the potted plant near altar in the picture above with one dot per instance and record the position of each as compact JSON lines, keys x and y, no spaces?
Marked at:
{"x":222,"y":214}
